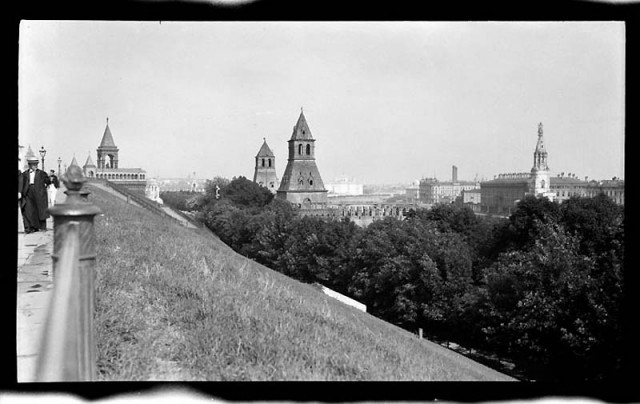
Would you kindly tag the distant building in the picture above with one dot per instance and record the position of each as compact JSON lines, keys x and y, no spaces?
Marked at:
{"x":413,"y":191}
{"x":470,"y":198}
{"x":301,"y":182}
{"x":188,"y":184}
{"x":108,"y":168}
{"x":344,"y":185}
{"x":564,"y":187}
{"x":432,"y":191}
{"x":613,"y":188}
{"x":501,"y":194}
{"x":265,"y":170}
{"x":153,"y":191}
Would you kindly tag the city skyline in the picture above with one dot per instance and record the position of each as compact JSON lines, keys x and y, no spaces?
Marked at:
{"x":387,"y":102}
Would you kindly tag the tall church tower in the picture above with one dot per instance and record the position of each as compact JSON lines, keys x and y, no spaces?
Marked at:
{"x":301,"y":182}
{"x":107,"y":151}
{"x":540,"y":171}
{"x":265,"y":171}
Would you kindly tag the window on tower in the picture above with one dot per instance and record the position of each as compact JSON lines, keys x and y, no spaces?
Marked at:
{"x":300,"y":149}
{"x":308,"y":149}
{"x":269,"y":162}
{"x":262,"y":162}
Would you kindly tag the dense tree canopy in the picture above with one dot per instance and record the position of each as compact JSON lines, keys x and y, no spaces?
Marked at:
{"x":543,"y":288}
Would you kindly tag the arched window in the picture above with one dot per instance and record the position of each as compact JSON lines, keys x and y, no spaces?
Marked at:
{"x":269,"y":162}
{"x":262,"y":162}
{"x":299,"y":149}
{"x":308,"y":149}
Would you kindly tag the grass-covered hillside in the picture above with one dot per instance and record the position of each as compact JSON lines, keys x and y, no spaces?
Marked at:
{"x":177,"y":304}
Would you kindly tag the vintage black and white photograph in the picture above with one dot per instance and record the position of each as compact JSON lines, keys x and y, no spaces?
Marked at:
{"x":321,"y":201}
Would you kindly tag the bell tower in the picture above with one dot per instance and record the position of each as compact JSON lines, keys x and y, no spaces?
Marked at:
{"x":540,"y":170}
{"x":265,"y":171}
{"x":107,"y":151}
{"x":301,"y":182}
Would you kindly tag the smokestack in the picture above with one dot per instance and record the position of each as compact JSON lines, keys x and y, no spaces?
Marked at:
{"x":454,"y":173}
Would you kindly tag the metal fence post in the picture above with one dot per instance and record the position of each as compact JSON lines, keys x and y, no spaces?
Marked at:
{"x":73,"y":226}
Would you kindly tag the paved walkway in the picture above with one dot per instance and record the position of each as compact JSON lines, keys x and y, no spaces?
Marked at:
{"x":35,"y":284}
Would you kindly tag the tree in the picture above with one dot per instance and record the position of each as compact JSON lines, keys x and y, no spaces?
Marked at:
{"x":543,"y":306}
{"x":409,"y":273}
{"x":598,"y":223}
{"x":244,"y":193}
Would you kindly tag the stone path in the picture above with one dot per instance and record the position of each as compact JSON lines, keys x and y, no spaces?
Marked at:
{"x":35,"y":284}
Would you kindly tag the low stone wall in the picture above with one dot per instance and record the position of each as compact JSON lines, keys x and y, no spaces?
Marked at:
{"x":338,"y":296}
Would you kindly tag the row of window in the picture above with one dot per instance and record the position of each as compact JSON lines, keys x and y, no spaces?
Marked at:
{"x":117,"y":176}
{"x":308,"y":149}
{"x":611,"y":194}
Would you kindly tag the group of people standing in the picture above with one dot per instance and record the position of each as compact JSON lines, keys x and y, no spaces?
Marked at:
{"x":36,"y":193}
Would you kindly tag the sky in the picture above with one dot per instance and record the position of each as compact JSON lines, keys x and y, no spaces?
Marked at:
{"x":387,"y":102}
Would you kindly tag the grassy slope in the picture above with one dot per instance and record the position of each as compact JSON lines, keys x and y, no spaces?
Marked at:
{"x":177,"y":304}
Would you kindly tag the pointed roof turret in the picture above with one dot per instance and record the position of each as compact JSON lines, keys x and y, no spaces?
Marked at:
{"x":89,"y":162}
{"x":540,"y":154}
{"x":540,"y":145}
{"x":74,"y":162}
{"x":301,"y":129}
{"x":265,"y":150}
{"x":31,"y":156}
{"x":107,"y":139}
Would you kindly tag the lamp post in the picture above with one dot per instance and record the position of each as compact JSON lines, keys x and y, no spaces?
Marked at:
{"x":59,"y":161}
{"x":43,"y":152}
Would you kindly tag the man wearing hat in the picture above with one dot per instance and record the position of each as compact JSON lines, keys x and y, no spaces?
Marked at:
{"x":34,"y":196}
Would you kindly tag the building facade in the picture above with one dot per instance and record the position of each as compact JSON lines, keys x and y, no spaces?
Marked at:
{"x":265,"y":169}
{"x":432,"y":191}
{"x":613,"y":188}
{"x":564,"y":187}
{"x":344,"y":185}
{"x":108,"y":168}
{"x":301,"y":182}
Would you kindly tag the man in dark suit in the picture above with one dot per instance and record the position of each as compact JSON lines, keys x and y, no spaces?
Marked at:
{"x":34,"y":197}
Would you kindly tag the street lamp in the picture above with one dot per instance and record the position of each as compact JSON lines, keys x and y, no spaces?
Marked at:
{"x":59,"y":161}
{"x":43,"y":152}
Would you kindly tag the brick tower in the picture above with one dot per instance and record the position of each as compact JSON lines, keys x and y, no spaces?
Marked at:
{"x":301,"y":182}
{"x":265,"y":171}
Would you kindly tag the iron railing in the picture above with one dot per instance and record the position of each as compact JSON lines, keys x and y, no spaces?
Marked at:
{"x":67,"y":346}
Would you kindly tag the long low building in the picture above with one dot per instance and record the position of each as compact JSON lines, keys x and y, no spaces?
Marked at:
{"x":500,"y":196}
